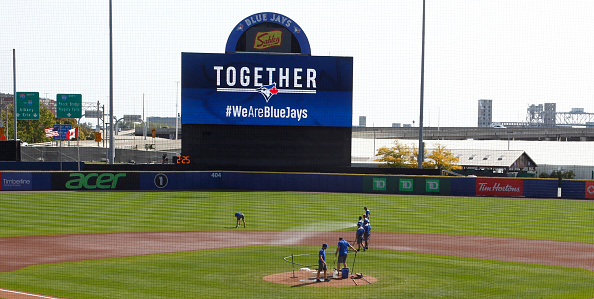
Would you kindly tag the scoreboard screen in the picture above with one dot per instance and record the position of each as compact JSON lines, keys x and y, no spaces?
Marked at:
{"x":267,"y":89}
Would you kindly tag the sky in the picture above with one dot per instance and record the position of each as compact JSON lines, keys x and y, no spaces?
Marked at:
{"x":515,"y":53}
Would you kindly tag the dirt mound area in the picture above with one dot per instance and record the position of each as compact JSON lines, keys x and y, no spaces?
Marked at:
{"x":308,"y":278}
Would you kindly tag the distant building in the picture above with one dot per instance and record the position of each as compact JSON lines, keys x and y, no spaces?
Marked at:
{"x":535,"y":112}
{"x":5,"y":100}
{"x":485,"y":113}
{"x":550,"y":114}
{"x":49,"y":104}
{"x":483,"y":162}
{"x":362,"y":121}
{"x":539,"y":115}
{"x":396,"y":125}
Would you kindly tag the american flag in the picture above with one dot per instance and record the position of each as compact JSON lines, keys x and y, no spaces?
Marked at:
{"x":49,"y":132}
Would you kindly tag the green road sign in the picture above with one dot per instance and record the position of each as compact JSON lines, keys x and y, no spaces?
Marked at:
{"x":27,"y":105}
{"x":68,"y":106}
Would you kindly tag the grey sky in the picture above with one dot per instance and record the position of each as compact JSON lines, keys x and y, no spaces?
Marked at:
{"x":513,"y":52}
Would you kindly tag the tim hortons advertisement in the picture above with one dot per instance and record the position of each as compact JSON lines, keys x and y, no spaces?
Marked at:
{"x":499,"y":187}
{"x":589,"y":189}
{"x":260,"y":89}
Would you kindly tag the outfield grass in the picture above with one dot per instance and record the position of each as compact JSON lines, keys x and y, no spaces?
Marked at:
{"x":238,"y":272}
{"x":23,"y":214}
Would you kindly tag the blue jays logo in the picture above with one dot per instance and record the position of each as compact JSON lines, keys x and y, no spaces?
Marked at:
{"x":267,"y":91}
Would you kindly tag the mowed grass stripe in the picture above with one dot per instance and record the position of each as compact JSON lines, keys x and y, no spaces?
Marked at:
{"x":238,"y":272}
{"x":23,"y":214}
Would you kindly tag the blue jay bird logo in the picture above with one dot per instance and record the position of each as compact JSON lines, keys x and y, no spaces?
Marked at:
{"x":267,"y":91}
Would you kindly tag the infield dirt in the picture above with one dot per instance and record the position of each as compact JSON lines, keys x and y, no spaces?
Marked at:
{"x":20,"y":252}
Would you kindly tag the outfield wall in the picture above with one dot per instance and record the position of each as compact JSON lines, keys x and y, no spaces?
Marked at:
{"x":308,"y":182}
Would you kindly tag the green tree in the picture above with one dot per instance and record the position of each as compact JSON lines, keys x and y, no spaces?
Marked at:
{"x":559,"y":174}
{"x":32,"y":131}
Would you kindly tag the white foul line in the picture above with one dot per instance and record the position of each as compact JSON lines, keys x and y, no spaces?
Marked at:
{"x":28,"y":294}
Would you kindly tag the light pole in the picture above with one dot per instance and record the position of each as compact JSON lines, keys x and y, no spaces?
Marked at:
{"x":143,"y":120}
{"x":110,"y":156}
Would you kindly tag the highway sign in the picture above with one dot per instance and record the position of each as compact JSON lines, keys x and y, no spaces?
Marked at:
{"x":27,"y":105}
{"x":132,"y":117}
{"x":68,"y":106}
{"x":62,"y":129}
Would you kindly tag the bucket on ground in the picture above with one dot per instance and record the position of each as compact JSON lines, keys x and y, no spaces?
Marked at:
{"x":345,"y":272}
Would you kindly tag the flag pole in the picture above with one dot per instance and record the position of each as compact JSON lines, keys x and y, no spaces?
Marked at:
{"x":60,"y":154}
{"x":78,"y":144}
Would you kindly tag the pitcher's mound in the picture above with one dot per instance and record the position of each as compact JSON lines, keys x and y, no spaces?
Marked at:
{"x":308,"y":278}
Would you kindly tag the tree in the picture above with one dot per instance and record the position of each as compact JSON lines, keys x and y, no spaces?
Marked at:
{"x":443,"y":158}
{"x":403,"y":156}
{"x":398,"y":156}
{"x":559,"y":174}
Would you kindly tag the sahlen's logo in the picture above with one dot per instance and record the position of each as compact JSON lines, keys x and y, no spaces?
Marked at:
{"x":268,"y":39}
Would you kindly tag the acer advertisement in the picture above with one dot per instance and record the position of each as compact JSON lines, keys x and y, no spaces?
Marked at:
{"x":267,"y":89}
{"x":499,"y":187}
{"x":95,"y":181}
